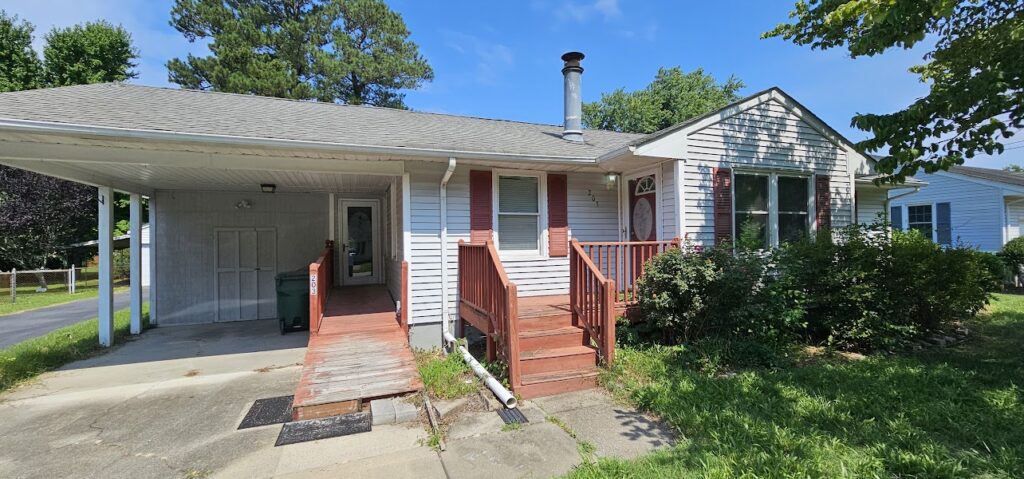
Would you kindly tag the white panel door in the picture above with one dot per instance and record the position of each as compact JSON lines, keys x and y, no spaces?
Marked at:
{"x":246,"y":264}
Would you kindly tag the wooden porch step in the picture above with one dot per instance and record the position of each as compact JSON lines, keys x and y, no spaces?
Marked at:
{"x":562,"y":337}
{"x":554,"y":321}
{"x":557,"y":359}
{"x":547,"y":384}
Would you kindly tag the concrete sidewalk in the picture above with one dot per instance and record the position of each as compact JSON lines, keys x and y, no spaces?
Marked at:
{"x":169,"y":403}
{"x":17,"y":327}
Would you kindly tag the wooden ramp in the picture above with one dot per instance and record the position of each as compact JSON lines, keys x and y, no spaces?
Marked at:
{"x":359,"y":354}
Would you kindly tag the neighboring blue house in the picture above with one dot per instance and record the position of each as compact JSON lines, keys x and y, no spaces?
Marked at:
{"x":979,"y":207}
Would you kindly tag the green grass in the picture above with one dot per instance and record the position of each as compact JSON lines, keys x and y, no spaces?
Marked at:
{"x":445,"y":377}
{"x":29,"y":299}
{"x":28,"y":359}
{"x":956,"y":412}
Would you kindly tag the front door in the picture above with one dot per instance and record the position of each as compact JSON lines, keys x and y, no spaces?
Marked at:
{"x":360,"y":242}
{"x":246,"y":262}
{"x":642,"y":195}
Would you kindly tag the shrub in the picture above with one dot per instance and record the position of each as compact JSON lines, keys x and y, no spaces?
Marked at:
{"x":997,"y":269}
{"x":1013,"y":254}
{"x":688,"y":295}
{"x":855,"y":288}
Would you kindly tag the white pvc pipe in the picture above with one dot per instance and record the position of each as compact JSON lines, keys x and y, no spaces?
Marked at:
{"x":503,"y":395}
{"x":445,"y":313}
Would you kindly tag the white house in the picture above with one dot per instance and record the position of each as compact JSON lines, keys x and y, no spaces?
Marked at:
{"x":979,"y":207}
{"x":243,"y":187}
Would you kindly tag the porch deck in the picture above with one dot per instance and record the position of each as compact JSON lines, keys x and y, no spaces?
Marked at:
{"x":360,"y":353}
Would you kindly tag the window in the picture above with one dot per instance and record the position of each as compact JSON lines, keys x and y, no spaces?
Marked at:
{"x":793,"y":202}
{"x":920,"y":218}
{"x":751,"y":206}
{"x":771,"y":207}
{"x":519,"y":213}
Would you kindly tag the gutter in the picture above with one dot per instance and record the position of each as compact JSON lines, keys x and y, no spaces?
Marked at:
{"x":445,"y":313}
{"x":888,"y":202}
{"x":28,"y":126}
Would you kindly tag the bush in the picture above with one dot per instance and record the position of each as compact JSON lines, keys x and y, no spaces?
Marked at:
{"x":997,"y":269}
{"x":856,"y":288}
{"x":1013,"y":254}
{"x":686,"y":296}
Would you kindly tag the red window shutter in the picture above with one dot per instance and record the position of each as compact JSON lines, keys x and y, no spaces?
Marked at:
{"x":558,"y":215}
{"x":722,"y":190}
{"x":480,"y":207}
{"x":822,"y":201}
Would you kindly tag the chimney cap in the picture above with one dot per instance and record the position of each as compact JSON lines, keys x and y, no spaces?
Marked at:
{"x":572,"y":56}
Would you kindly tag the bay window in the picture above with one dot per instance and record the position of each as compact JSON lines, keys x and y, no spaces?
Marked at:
{"x":773,"y":207}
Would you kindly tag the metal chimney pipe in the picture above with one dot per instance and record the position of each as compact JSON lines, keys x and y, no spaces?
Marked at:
{"x":572,"y":71}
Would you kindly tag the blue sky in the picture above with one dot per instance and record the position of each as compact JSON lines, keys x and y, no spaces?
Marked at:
{"x":501,"y":59}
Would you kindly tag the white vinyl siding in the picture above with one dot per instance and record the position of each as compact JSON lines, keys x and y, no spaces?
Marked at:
{"x":976,"y":210}
{"x":870,"y":205}
{"x":667,"y":196}
{"x":767,"y":137}
{"x":592,"y":211}
{"x":186,"y":246}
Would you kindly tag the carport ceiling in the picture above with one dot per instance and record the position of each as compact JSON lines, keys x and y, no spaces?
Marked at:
{"x":184,"y":178}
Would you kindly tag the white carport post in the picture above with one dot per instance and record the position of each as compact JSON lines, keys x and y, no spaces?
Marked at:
{"x":152,"y":262}
{"x":106,"y":263}
{"x":135,"y":261}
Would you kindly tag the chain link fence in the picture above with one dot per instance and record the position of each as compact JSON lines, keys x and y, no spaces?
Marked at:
{"x":15,"y":285}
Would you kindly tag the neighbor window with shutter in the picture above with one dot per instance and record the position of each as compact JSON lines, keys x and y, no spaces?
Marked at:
{"x":518,"y":213}
{"x":919,"y":217}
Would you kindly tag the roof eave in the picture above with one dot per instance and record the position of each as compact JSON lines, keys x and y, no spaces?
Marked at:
{"x":42,"y":127}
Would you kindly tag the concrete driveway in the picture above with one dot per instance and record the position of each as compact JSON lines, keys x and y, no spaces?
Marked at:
{"x":169,"y":403}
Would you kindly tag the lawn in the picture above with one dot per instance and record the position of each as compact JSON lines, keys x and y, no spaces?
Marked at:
{"x":29,"y":299}
{"x":32,"y":357}
{"x":445,"y":377}
{"x":956,"y":412}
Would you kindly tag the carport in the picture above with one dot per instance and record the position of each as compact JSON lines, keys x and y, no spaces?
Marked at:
{"x":207,"y":192}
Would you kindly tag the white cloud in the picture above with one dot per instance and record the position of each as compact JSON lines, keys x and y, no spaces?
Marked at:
{"x":579,"y":11}
{"x":492,"y":59}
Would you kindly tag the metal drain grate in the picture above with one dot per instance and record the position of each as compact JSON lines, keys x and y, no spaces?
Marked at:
{"x":512,"y":416}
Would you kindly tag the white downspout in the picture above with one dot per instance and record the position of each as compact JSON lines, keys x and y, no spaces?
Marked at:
{"x":445,"y":313}
{"x":888,"y":202}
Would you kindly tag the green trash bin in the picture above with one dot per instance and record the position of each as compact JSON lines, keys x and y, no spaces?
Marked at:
{"x":293,"y":300}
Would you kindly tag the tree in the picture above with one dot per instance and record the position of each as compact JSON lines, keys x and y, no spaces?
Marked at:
{"x":20,"y":68}
{"x":975,"y":73}
{"x":1014,"y":168}
{"x":39,"y":214}
{"x":673,"y":97}
{"x":350,"y":51}
{"x":96,"y":52}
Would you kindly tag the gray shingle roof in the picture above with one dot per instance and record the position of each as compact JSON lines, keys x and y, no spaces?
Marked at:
{"x":117,"y":105}
{"x":1002,"y":176}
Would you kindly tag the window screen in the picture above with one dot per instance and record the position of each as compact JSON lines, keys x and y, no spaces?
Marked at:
{"x":793,"y":214}
{"x":751,"y":206}
{"x":518,"y":213}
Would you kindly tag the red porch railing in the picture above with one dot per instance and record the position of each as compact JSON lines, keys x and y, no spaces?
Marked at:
{"x":489,"y":301}
{"x":403,"y":307}
{"x":321,"y":279}
{"x":592,"y":299}
{"x":623,"y":262}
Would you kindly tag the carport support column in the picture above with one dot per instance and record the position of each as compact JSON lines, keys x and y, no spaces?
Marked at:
{"x":135,"y":260}
{"x":106,"y":264}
